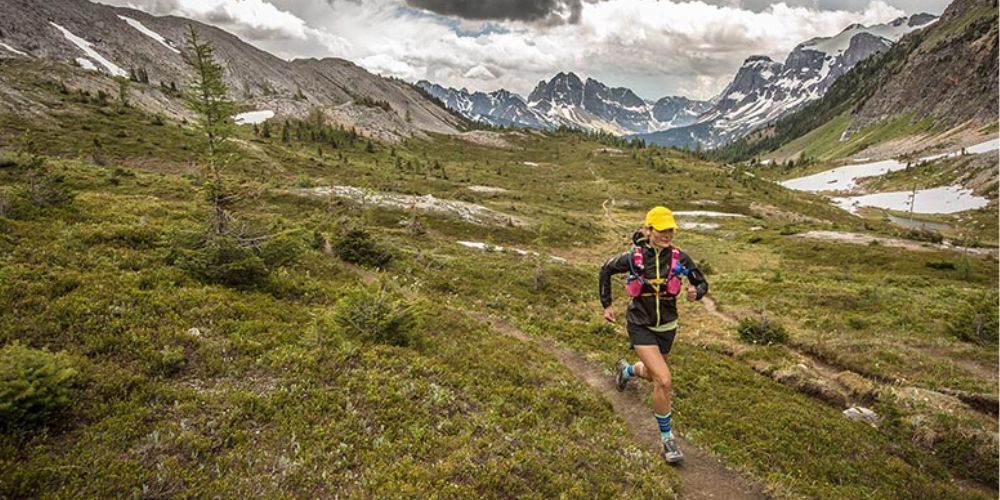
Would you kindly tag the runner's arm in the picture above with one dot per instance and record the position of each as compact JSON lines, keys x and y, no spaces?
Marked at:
{"x":695,"y":276}
{"x":615,"y":265}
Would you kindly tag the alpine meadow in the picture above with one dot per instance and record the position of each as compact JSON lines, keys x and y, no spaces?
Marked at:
{"x":231,"y":269}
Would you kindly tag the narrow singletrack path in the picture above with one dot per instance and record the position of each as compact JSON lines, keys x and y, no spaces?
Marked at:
{"x":702,"y":475}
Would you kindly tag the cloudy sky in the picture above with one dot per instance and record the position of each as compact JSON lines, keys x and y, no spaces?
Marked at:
{"x":654,"y":47}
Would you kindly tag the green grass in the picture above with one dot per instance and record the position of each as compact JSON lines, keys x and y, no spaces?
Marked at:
{"x":273,"y":397}
{"x":825,"y":143}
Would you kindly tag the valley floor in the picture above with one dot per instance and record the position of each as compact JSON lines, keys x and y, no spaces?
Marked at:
{"x":354,"y":349}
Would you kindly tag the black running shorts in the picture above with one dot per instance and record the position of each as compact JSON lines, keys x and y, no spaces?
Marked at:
{"x":641,"y":335}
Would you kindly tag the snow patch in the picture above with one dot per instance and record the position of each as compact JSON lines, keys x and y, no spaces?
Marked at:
{"x":486,"y":189}
{"x":148,"y":32}
{"x":837,"y":44}
{"x":486,"y":247}
{"x":705,"y":213}
{"x":253,"y":117}
{"x":698,"y":225}
{"x":88,"y":48}
{"x":12,"y":49}
{"x":843,"y":178}
{"x":939,"y":200}
{"x":86,"y":63}
{"x":736,"y":96}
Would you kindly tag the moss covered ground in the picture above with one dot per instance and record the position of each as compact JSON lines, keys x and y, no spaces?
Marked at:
{"x":191,"y":388}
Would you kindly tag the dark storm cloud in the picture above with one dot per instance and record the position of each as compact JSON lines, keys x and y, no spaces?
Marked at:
{"x":547,"y":11}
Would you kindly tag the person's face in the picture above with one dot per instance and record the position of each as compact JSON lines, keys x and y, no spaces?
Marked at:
{"x":660,"y":239}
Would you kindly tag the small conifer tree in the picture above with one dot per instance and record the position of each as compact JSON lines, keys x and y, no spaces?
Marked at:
{"x":207,"y":98}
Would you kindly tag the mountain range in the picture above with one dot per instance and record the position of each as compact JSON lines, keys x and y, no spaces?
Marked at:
{"x":764,"y":90}
{"x":937,"y":85}
{"x":761,"y":91}
{"x":568,"y":101}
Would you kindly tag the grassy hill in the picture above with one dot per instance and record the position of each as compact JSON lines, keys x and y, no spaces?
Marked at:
{"x":294,"y":367}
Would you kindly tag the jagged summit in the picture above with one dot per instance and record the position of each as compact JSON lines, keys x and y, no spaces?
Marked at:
{"x":567,"y":101}
{"x":763,"y":90}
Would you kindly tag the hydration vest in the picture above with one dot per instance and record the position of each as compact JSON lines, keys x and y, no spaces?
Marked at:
{"x":669,"y":285}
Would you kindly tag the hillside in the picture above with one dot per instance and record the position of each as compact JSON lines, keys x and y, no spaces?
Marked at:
{"x":938,"y":85}
{"x":419,"y":318}
{"x":131,"y":43}
{"x":764,"y":90}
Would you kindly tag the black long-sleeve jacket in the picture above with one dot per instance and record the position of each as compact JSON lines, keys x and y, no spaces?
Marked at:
{"x":650,"y":309}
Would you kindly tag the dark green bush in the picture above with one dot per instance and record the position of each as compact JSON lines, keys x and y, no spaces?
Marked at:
{"x":170,"y":360}
{"x":369,"y":313}
{"x":976,"y":321}
{"x":34,"y":385}
{"x":358,"y":247}
{"x":940,"y":264}
{"x":761,"y":331}
{"x":706,"y":268}
{"x":923,"y":234}
{"x":44,"y":188}
{"x":280,"y":251}
{"x":223,"y":260}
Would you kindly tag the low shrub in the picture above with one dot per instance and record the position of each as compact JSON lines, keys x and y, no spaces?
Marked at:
{"x":761,"y":331}
{"x":34,"y":385}
{"x":706,"y":268}
{"x":224,"y":261}
{"x":358,"y":247}
{"x":923,"y":234}
{"x":170,"y":360}
{"x":976,"y":320}
{"x":134,"y":236}
{"x":940,"y":265}
{"x":44,"y":188}
{"x":280,"y":251}
{"x":370,"y":314}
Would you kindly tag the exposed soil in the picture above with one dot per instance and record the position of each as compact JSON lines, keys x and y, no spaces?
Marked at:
{"x":702,"y":475}
{"x":863,"y":239}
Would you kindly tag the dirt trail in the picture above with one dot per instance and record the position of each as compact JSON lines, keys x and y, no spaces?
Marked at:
{"x":702,"y":476}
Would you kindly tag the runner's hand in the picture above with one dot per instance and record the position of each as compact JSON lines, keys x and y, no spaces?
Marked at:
{"x":609,"y":314}
{"x":692,"y":293}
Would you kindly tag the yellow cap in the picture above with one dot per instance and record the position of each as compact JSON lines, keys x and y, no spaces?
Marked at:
{"x":661,"y":218}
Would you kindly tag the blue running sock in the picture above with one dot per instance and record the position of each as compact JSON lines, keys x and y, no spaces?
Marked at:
{"x":664,"y":422}
{"x":628,"y":372}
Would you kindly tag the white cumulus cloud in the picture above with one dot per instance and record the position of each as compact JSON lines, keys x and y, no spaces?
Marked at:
{"x":655,"y":47}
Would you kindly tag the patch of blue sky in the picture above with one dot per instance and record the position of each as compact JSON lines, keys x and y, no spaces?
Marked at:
{"x":457,"y":25}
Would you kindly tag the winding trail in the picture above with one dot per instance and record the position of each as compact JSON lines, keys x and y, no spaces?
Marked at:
{"x":702,"y":475}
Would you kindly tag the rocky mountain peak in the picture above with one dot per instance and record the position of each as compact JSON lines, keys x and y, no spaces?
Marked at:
{"x":920,"y":19}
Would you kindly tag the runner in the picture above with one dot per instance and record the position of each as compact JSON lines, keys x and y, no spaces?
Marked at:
{"x":655,"y":268}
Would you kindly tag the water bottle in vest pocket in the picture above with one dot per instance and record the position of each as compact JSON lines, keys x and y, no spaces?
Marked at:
{"x":673,"y":284}
{"x":633,"y":286}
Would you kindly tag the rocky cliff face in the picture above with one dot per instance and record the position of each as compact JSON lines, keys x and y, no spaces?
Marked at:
{"x":118,"y":41}
{"x":499,"y":108}
{"x":568,"y":101}
{"x":764,"y":90}
{"x":951,"y":75}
